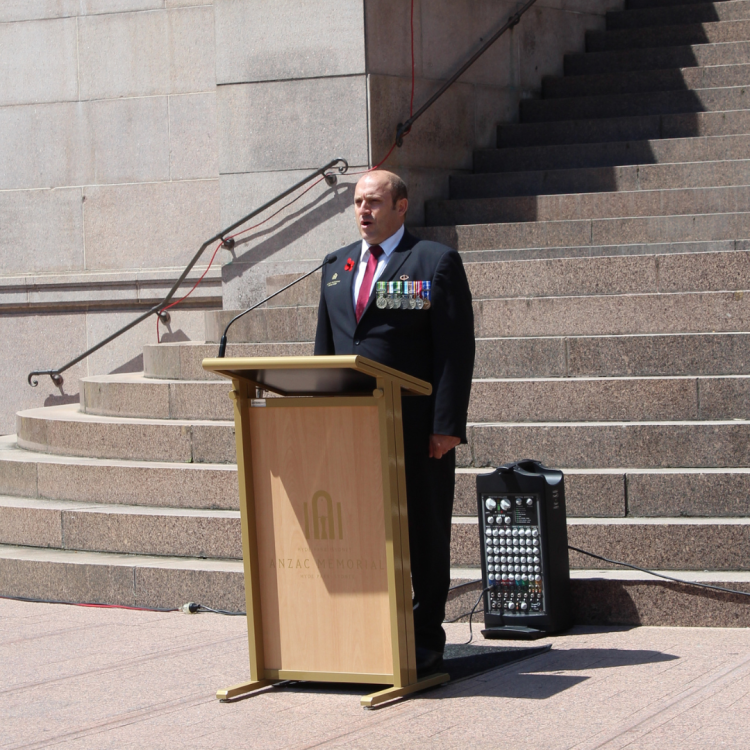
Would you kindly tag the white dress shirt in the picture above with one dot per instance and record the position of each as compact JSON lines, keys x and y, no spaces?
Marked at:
{"x":388,"y":246}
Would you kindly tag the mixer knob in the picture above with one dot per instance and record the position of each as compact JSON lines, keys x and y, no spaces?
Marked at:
{"x":504,"y":568}
{"x":488,"y":532}
{"x":524,"y":605}
{"x":495,"y":532}
{"x":537,"y":578}
{"x":490,"y":519}
{"x":537,"y":569}
{"x":529,"y":502}
{"x":507,"y":519}
{"x":519,"y":501}
{"x":535,"y":533}
{"x":536,"y":559}
{"x":490,"y":504}
{"x":505,"y":504}
{"x":511,"y":605}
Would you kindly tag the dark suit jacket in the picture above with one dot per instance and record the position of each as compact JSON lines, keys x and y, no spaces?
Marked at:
{"x":436,"y":345}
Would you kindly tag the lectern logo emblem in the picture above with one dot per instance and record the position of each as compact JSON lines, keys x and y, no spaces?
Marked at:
{"x":324,"y":524}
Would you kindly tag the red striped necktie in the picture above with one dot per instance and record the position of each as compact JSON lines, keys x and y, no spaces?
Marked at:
{"x":364,"y":290}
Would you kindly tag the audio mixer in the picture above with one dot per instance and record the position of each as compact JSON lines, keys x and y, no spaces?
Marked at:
{"x":524,"y":551}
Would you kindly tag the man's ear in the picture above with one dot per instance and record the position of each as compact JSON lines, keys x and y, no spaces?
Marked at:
{"x":402,"y":206}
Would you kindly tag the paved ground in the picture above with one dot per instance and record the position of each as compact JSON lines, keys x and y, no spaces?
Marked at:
{"x":96,"y":678}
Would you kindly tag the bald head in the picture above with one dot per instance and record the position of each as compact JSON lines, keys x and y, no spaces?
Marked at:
{"x":380,"y":205}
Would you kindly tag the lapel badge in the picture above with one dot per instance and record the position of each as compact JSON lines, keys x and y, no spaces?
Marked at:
{"x":404,"y":277}
{"x":335,"y":276}
{"x":349,"y":265}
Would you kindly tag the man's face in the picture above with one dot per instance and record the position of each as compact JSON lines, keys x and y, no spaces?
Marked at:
{"x":377,"y":217}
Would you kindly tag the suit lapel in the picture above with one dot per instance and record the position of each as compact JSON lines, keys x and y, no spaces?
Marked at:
{"x":397,"y":259}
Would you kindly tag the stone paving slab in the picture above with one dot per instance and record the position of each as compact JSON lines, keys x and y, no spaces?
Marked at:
{"x":100,"y":679}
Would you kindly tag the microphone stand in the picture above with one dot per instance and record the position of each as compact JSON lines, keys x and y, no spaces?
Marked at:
{"x":223,"y":342}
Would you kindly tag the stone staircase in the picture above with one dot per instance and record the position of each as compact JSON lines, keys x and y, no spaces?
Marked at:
{"x":607,"y":243}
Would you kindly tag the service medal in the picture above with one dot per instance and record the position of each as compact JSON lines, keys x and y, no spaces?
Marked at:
{"x":412,"y":295}
{"x":382,"y":289}
{"x":418,"y":301}
{"x":426,"y":289}
{"x":397,"y":294}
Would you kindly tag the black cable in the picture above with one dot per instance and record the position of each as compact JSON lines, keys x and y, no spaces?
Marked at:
{"x":202,"y":608}
{"x":86,"y":604}
{"x":660,"y":575}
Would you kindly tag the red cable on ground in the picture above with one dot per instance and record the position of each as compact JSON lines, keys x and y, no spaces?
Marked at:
{"x":306,"y":190}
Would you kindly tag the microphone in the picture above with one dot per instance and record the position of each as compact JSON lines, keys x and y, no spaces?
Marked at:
{"x":223,"y":342}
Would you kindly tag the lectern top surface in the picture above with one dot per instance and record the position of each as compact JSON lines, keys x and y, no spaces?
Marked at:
{"x":314,"y":376}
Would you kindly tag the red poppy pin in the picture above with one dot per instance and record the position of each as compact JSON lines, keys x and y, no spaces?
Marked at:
{"x":349,"y":265}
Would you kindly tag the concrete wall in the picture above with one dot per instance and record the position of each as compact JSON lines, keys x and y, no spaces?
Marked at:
{"x":108,"y":180}
{"x":302,"y":82}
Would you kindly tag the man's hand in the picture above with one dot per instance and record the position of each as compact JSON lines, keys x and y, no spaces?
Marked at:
{"x":441,"y":444}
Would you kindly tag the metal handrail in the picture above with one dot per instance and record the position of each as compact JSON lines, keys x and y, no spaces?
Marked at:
{"x":404,"y":128}
{"x":227,"y":242}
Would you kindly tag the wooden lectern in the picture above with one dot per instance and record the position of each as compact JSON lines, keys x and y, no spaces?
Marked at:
{"x":325,"y":537}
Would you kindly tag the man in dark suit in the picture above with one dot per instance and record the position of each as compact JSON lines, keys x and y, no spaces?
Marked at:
{"x":432,"y":339}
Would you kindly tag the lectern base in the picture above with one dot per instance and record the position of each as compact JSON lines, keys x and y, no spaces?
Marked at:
{"x":242,"y":689}
{"x":368,"y":701}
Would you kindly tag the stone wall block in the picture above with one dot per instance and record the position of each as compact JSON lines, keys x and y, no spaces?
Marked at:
{"x":442,"y":138}
{"x":38,"y":62}
{"x":387,"y":25}
{"x":94,"y":7}
{"x":23,"y":10}
{"x":42,"y":231}
{"x":150,"y":225}
{"x":319,"y":223}
{"x":193,"y":143}
{"x":544,"y":36}
{"x":44,"y":146}
{"x":263,"y":41}
{"x":144,"y":54}
{"x":38,"y":342}
{"x":130,"y":140}
{"x":451,"y":35}
{"x":292,"y":124}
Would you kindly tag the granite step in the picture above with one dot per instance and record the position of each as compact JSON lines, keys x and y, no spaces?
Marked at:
{"x":585,"y":445}
{"x":617,"y":129}
{"x":122,"y":529}
{"x":627,"y":597}
{"x":604,"y":251}
{"x":608,"y":314}
{"x":182,"y":361}
{"x":609,"y":399}
{"x":594,"y":233}
{"x":64,"y":430}
{"x":612,"y":154}
{"x":560,"y":356}
{"x":670,"y":79}
{"x":666,"y":543}
{"x":730,"y":10}
{"x":611,"y":492}
{"x":130,"y":580}
{"x":655,"y":543}
{"x":657,"y":58}
{"x":598,"y":445}
{"x":133,"y":395}
{"x":601,"y":179}
{"x":612,"y":356}
{"x":601,"y":205}
{"x":601,"y":597}
{"x":603,"y":106}
{"x":636,"y":4}
{"x":515,"y":400}
{"x":26,"y":473}
{"x":637,"y":493}
{"x":668,"y":36}
{"x":709,"y":271}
